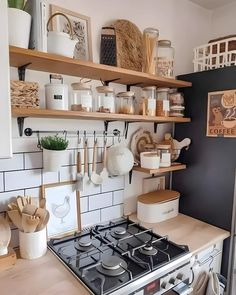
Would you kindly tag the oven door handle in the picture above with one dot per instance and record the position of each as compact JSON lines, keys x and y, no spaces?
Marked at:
{"x":180,"y":289}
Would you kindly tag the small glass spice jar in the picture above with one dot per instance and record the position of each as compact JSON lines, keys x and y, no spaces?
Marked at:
{"x":165,"y":155}
{"x":150,"y":42}
{"x":81,"y":97}
{"x":165,"y":59}
{"x":163,"y":104}
{"x":125,"y":102}
{"x":105,"y":99}
{"x":148,"y":103}
{"x":177,"y":106}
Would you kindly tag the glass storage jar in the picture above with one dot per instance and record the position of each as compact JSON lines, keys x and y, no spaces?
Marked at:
{"x":105,"y":99}
{"x":148,"y":102}
{"x":125,"y":102}
{"x":165,"y":59}
{"x":164,"y":151}
{"x":176,"y":104}
{"x":81,"y":97}
{"x":150,"y":42}
{"x":163,"y":104}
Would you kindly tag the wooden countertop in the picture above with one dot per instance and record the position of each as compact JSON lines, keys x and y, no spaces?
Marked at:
{"x":185,"y":230}
{"x":48,"y":276}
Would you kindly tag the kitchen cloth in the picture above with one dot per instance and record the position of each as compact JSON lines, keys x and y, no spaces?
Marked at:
{"x":213,"y":287}
{"x":201,"y":284}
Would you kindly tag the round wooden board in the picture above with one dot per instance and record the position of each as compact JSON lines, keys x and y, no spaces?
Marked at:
{"x":129,"y":45}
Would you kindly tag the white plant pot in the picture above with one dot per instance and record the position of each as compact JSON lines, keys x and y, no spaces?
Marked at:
{"x":19,"y":23}
{"x":33,"y":245}
{"x":53,"y":160}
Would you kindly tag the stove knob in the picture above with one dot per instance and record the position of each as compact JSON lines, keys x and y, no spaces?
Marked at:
{"x":180,"y":277}
{"x":164,"y":285}
{"x":172,"y":281}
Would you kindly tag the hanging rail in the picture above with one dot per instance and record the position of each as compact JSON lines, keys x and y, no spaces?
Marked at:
{"x":84,"y":133}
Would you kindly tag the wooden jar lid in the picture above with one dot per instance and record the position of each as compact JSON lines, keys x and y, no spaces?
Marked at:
{"x":160,"y":196}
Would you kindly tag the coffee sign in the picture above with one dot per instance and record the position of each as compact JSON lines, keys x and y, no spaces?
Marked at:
{"x":221,"y":114}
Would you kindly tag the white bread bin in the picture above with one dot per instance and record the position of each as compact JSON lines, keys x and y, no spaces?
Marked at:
{"x":158,"y":206}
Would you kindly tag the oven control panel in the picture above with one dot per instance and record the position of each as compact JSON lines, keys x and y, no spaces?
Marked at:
{"x":168,"y":282}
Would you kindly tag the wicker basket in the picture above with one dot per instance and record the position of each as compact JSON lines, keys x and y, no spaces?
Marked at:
{"x":216,"y":54}
{"x":24,"y":94}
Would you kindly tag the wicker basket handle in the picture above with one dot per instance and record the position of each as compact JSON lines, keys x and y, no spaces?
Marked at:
{"x":62,"y":14}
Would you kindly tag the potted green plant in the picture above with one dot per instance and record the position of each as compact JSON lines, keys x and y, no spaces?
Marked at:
{"x":19,"y":23}
{"x":53,"y":152}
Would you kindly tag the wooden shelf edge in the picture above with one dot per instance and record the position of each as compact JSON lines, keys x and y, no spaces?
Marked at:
{"x":46,"y":62}
{"x":61,"y":114}
{"x":175,"y":167}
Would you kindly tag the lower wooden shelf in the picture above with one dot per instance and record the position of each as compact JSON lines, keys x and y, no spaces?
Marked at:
{"x":173,"y":167}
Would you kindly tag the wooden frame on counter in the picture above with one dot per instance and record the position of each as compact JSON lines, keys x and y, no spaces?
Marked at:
{"x":62,"y":200}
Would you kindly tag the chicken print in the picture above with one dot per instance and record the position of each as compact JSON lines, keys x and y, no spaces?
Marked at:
{"x":62,"y":210}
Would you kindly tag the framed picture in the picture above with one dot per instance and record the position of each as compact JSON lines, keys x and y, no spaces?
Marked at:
{"x":63,"y":204}
{"x":81,"y":26}
{"x":152,"y":184}
{"x":221,"y":114}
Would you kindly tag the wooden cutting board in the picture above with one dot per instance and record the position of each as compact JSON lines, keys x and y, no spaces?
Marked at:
{"x":129,"y":45}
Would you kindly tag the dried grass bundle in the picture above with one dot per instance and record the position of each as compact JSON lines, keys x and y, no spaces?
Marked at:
{"x":24,"y":94}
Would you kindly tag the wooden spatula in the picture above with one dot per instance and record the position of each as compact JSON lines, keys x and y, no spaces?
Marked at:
{"x":29,"y":209}
{"x":43,"y":214}
{"x":29,"y":223}
{"x":15,"y":217}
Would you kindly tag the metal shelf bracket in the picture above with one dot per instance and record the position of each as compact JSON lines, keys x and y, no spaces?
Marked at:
{"x":20,"y":122}
{"x":21,"y":71}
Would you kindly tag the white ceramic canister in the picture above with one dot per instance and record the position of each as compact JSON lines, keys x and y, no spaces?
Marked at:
{"x":19,"y":23}
{"x":53,"y":160}
{"x":56,"y":94}
{"x":33,"y":245}
{"x":150,"y":160}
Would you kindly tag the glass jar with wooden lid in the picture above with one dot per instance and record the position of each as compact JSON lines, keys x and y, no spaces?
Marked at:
{"x":150,"y":42}
{"x":125,"y":102}
{"x":105,"y":99}
{"x":163,"y":104}
{"x":165,"y":59}
{"x":147,"y":106}
{"x":81,"y":97}
{"x":164,"y":150}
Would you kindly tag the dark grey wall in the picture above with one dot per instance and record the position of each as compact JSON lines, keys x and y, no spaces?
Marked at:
{"x":207,"y":185}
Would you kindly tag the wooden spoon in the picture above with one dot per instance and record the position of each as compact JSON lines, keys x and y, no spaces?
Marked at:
{"x":29,"y":209}
{"x":42,"y":203}
{"x":29,"y":223}
{"x":15,"y":217}
{"x":19,"y":203}
{"x":43,"y":214}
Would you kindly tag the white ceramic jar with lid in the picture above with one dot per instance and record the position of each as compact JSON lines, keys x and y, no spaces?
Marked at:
{"x":105,"y":99}
{"x":165,"y":59}
{"x":125,"y":102}
{"x":81,"y":97}
{"x":148,"y":103}
{"x":163,"y":104}
{"x":56,"y":94}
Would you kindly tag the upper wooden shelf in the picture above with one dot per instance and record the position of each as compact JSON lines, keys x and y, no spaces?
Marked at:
{"x":57,"y":114}
{"x":41,"y":61}
{"x":173,"y":167}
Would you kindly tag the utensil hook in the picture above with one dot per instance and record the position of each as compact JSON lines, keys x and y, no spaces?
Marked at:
{"x":79,"y":139}
{"x":85,"y":137}
{"x":105,"y":137}
{"x":39,"y":143}
{"x":65,"y":134}
{"x":94,"y":137}
{"x":210,"y":264}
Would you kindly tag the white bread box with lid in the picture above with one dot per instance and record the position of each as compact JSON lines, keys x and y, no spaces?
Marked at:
{"x":158,"y":206}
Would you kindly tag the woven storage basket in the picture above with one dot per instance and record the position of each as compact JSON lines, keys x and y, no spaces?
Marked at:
{"x":231,"y":46}
{"x":24,"y":94}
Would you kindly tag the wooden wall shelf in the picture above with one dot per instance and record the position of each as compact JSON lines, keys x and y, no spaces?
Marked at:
{"x":58,"y":114}
{"x":41,"y":61}
{"x":175,"y":167}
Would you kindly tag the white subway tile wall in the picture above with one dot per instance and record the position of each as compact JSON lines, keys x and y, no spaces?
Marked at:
{"x":24,"y":175}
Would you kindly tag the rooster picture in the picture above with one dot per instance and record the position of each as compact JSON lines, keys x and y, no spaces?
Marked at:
{"x":61,"y":210}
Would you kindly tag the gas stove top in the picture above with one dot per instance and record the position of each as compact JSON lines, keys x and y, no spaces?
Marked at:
{"x":108,"y":258}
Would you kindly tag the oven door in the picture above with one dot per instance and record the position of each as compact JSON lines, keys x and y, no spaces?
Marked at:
{"x":180,"y":289}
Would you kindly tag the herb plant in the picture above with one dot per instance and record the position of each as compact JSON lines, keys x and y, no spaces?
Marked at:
{"x":55,"y":142}
{"x":19,"y":4}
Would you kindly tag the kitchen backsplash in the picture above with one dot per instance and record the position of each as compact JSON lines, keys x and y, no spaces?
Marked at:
{"x":24,"y":175}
